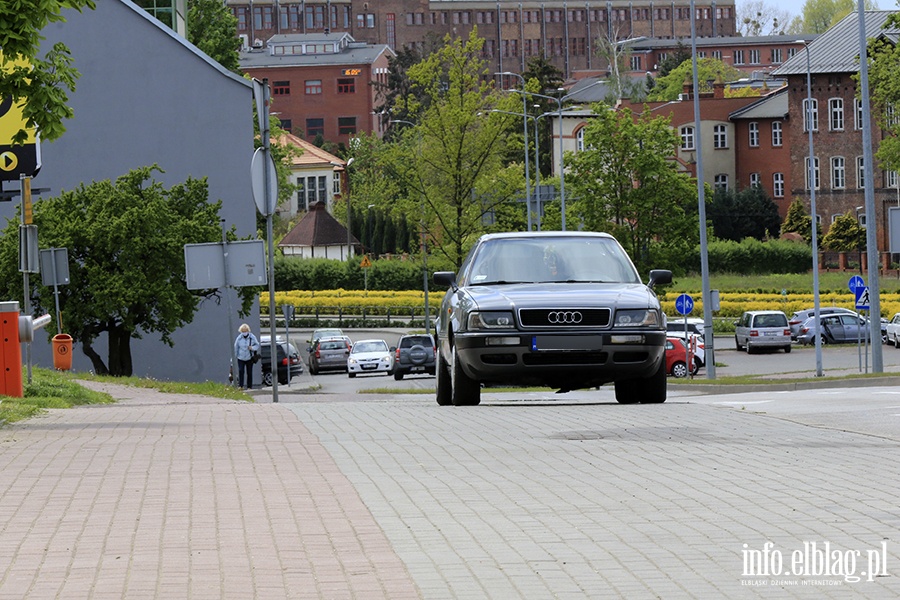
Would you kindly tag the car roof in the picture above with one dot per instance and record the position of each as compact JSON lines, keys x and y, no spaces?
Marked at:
{"x":545,"y":234}
{"x":763,"y":312}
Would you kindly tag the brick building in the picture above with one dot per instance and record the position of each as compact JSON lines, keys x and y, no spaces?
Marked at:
{"x":514,"y":30}
{"x":321,"y":83}
{"x":837,"y":123}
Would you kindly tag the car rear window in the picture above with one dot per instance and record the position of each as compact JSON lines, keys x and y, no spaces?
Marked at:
{"x":415,"y":341}
{"x":770,"y":321}
{"x":333,"y":346}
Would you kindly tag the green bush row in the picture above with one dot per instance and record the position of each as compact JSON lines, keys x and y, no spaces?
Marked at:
{"x":753,"y":257}
{"x":326,"y":274}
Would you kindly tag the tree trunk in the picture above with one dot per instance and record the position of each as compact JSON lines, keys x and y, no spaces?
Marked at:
{"x":119,"y":351}
{"x":99,"y":367}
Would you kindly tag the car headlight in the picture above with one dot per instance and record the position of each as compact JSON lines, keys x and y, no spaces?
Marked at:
{"x":352,"y":361}
{"x":639,"y":317}
{"x":491,"y":320}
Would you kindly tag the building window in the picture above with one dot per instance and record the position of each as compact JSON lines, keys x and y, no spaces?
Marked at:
{"x":314,"y":127}
{"x":860,"y":172}
{"x":754,"y":57}
{"x":717,"y":54}
{"x":778,"y":185}
{"x":857,"y":114}
{"x":777,"y":138}
{"x":313,"y":86}
{"x":281,"y":88}
{"x":346,"y":85}
{"x":721,"y":182}
{"x":890,"y":178}
{"x":815,"y":172}
{"x":579,"y":140}
{"x":810,"y":113}
{"x":285,"y":124}
{"x":738,"y":57}
{"x":754,"y":135}
{"x":346,"y":125}
{"x":755,"y":180}
{"x":836,"y":114}
{"x":635,"y":63}
{"x":838,"y":175}
{"x":687,"y":138}
{"x":776,"y":55}
{"x":720,"y":137}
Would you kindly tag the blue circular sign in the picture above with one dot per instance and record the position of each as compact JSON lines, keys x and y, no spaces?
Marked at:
{"x":856,"y":282}
{"x":684,"y":304}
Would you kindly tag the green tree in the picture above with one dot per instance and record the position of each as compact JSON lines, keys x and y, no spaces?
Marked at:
{"x":747,"y":213}
{"x":39,"y":84}
{"x":885,"y":88}
{"x":625,"y":183}
{"x":674,"y":60}
{"x":819,"y":15}
{"x":548,"y":78}
{"x":798,"y":221}
{"x":125,"y":243}
{"x":708,"y":70}
{"x":757,"y":17}
{"x":213,"y":29}
{"x":451,"y":158}
{"x":845,"y":234}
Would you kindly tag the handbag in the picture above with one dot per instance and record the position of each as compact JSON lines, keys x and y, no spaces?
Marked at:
{"x":255,"y":356}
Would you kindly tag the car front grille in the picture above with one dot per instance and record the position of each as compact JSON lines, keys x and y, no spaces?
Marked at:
{"x":565,"y":358}
{"x":564,"y":318}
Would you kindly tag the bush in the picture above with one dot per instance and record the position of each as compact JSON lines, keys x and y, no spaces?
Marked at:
{"x":752,"y":257}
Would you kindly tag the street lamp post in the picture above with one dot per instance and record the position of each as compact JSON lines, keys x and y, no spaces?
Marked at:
{"x":422,"y":228}
{"x":811,"y":173}
{"x":525,"y":135}
{"x":562,"y":171}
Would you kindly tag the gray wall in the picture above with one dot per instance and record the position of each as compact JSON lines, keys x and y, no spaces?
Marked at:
{"x":147,"y":96}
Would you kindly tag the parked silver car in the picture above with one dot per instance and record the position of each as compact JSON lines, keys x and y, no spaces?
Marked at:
{"x":329,"y":354}
{"x":798,"y":318}
{"x":762,"y":329}
{"x":836,"y":329}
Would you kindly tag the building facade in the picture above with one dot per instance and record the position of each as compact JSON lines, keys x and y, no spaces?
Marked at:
{"x":514,"y":31}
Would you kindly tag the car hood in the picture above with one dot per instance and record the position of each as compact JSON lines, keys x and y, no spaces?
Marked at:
{"x":370,"y":355}
{"x":517,"y":296}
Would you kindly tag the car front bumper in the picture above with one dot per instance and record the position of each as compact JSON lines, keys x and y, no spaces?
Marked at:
{"x":565,"y":360}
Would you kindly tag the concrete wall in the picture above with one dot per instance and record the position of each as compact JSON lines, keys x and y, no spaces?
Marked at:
{"x":147,"y":96}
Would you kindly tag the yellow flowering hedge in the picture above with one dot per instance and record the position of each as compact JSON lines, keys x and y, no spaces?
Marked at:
{"x":731,"y":304}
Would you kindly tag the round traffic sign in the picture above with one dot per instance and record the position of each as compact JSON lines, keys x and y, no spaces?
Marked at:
{"x":684,"y":304}
{"x":856,"y":282}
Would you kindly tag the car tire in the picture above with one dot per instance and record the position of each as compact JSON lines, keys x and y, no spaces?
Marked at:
{"x":442,"y":385}
{"x":465,"y":391}
{"x":750,"y":349}
{"x":398,"y":375}
{"x":651,"y":390}
{"x":351,"y":375}
{"x":787,"y":349}
{"x":267,"y":379}
{"x":896,"y":342}
{"x":679,"y":370}
{"x":697,"y":366}
{"x":418,"y":355}
{"x":313,"y":370}
{"x":824,"y":340}
{"x":737,"y":344}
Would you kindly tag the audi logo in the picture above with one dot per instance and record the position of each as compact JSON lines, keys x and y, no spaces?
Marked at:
{"x":566,"y":317}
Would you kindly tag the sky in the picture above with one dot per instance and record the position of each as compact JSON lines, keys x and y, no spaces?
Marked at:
{"x":795,"y":7}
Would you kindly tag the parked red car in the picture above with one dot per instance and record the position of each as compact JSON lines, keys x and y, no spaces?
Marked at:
{"x":676,"y":352}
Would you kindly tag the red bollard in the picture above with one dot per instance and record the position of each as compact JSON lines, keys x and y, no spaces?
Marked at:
{"x":10,"y":351}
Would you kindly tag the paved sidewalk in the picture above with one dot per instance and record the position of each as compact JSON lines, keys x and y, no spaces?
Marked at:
{"x":174,"y":496}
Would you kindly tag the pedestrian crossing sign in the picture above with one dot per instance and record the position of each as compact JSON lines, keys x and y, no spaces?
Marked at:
{"x":862,"y":298}
{"x":366,"y":263}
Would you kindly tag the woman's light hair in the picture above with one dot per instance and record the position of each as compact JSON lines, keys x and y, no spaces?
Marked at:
{"x":244,"y":328}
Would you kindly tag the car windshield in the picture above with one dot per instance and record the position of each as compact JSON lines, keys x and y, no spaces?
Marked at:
{"x":370,"y":347}
{"x":551,"y":260}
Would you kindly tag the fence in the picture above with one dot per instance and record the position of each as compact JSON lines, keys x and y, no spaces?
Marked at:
{"x":353,"y":316}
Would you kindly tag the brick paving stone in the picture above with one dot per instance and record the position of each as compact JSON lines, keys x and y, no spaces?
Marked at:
{"x":168,"y":496}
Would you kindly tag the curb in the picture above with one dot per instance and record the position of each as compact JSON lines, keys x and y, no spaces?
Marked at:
{"x":787,"y":386}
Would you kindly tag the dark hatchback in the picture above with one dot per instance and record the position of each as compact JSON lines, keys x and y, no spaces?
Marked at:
{"x":287,"y":360}
{"x":414,"y":354}
{"x":565,"y":310}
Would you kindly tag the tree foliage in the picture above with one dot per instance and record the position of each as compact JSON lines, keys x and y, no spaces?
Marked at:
{"x":40,"y":84}
{"x":625,"y":183}
{"x":450,"y":163}
{"x":708,"y":70}
{"x":818,"y":16}
{"x":799,"y":221}
{"x":125,"y":244}
{"x":758,"y":17}
{"x":845,"y":234}
{"x":747,"y":213}
{"x":885,"y":88}
{"x":213,"y":29}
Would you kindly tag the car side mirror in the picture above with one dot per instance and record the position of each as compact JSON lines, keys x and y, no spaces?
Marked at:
{"x":393,"y":348}
{"x":447,"y":278}
{"x":659,"y":277}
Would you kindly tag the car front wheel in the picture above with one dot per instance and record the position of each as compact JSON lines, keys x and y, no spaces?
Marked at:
{"x":465,"y":390}
{"x":651,"y":390}
{"x":267,"y":379}
{"x":442,"y":383}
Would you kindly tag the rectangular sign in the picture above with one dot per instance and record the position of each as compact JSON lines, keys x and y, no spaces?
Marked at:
{"x":55,"y":266}
{"x":353,"y":72}
{"x":238,"y":264}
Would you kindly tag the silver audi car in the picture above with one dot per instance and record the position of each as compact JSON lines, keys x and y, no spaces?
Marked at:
{"x":566,"y":310}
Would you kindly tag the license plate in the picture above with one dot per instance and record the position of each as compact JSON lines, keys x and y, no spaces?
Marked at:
{"x":771,"y":333}
{"x":417,"y":369}
{"x":566,"y":342}
{"x":369,"y":367}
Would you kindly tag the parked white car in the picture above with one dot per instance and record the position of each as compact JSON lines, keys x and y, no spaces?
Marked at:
{"x":762,"y":329}
{"x":892,"y":331}
{"x":369,"y":356}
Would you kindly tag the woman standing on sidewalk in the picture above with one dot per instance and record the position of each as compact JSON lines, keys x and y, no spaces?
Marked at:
{"x":245,"y":346}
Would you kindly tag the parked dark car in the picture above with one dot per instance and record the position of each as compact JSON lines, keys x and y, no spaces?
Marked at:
{"x":329,"y":354}
{"x":287,"y":359}
{"x":565,"y":310}
{"x":414,"y":354}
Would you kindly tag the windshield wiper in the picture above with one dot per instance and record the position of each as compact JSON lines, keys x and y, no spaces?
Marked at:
{"x":500,"y":282}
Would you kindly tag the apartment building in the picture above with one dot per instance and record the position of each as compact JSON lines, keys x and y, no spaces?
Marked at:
{"x":513,"y":30}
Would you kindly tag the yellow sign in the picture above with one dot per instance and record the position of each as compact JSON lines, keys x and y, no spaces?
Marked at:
{"x":353,"y":72}
{"x":366,"y":263}
{"x":22,"y":159}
